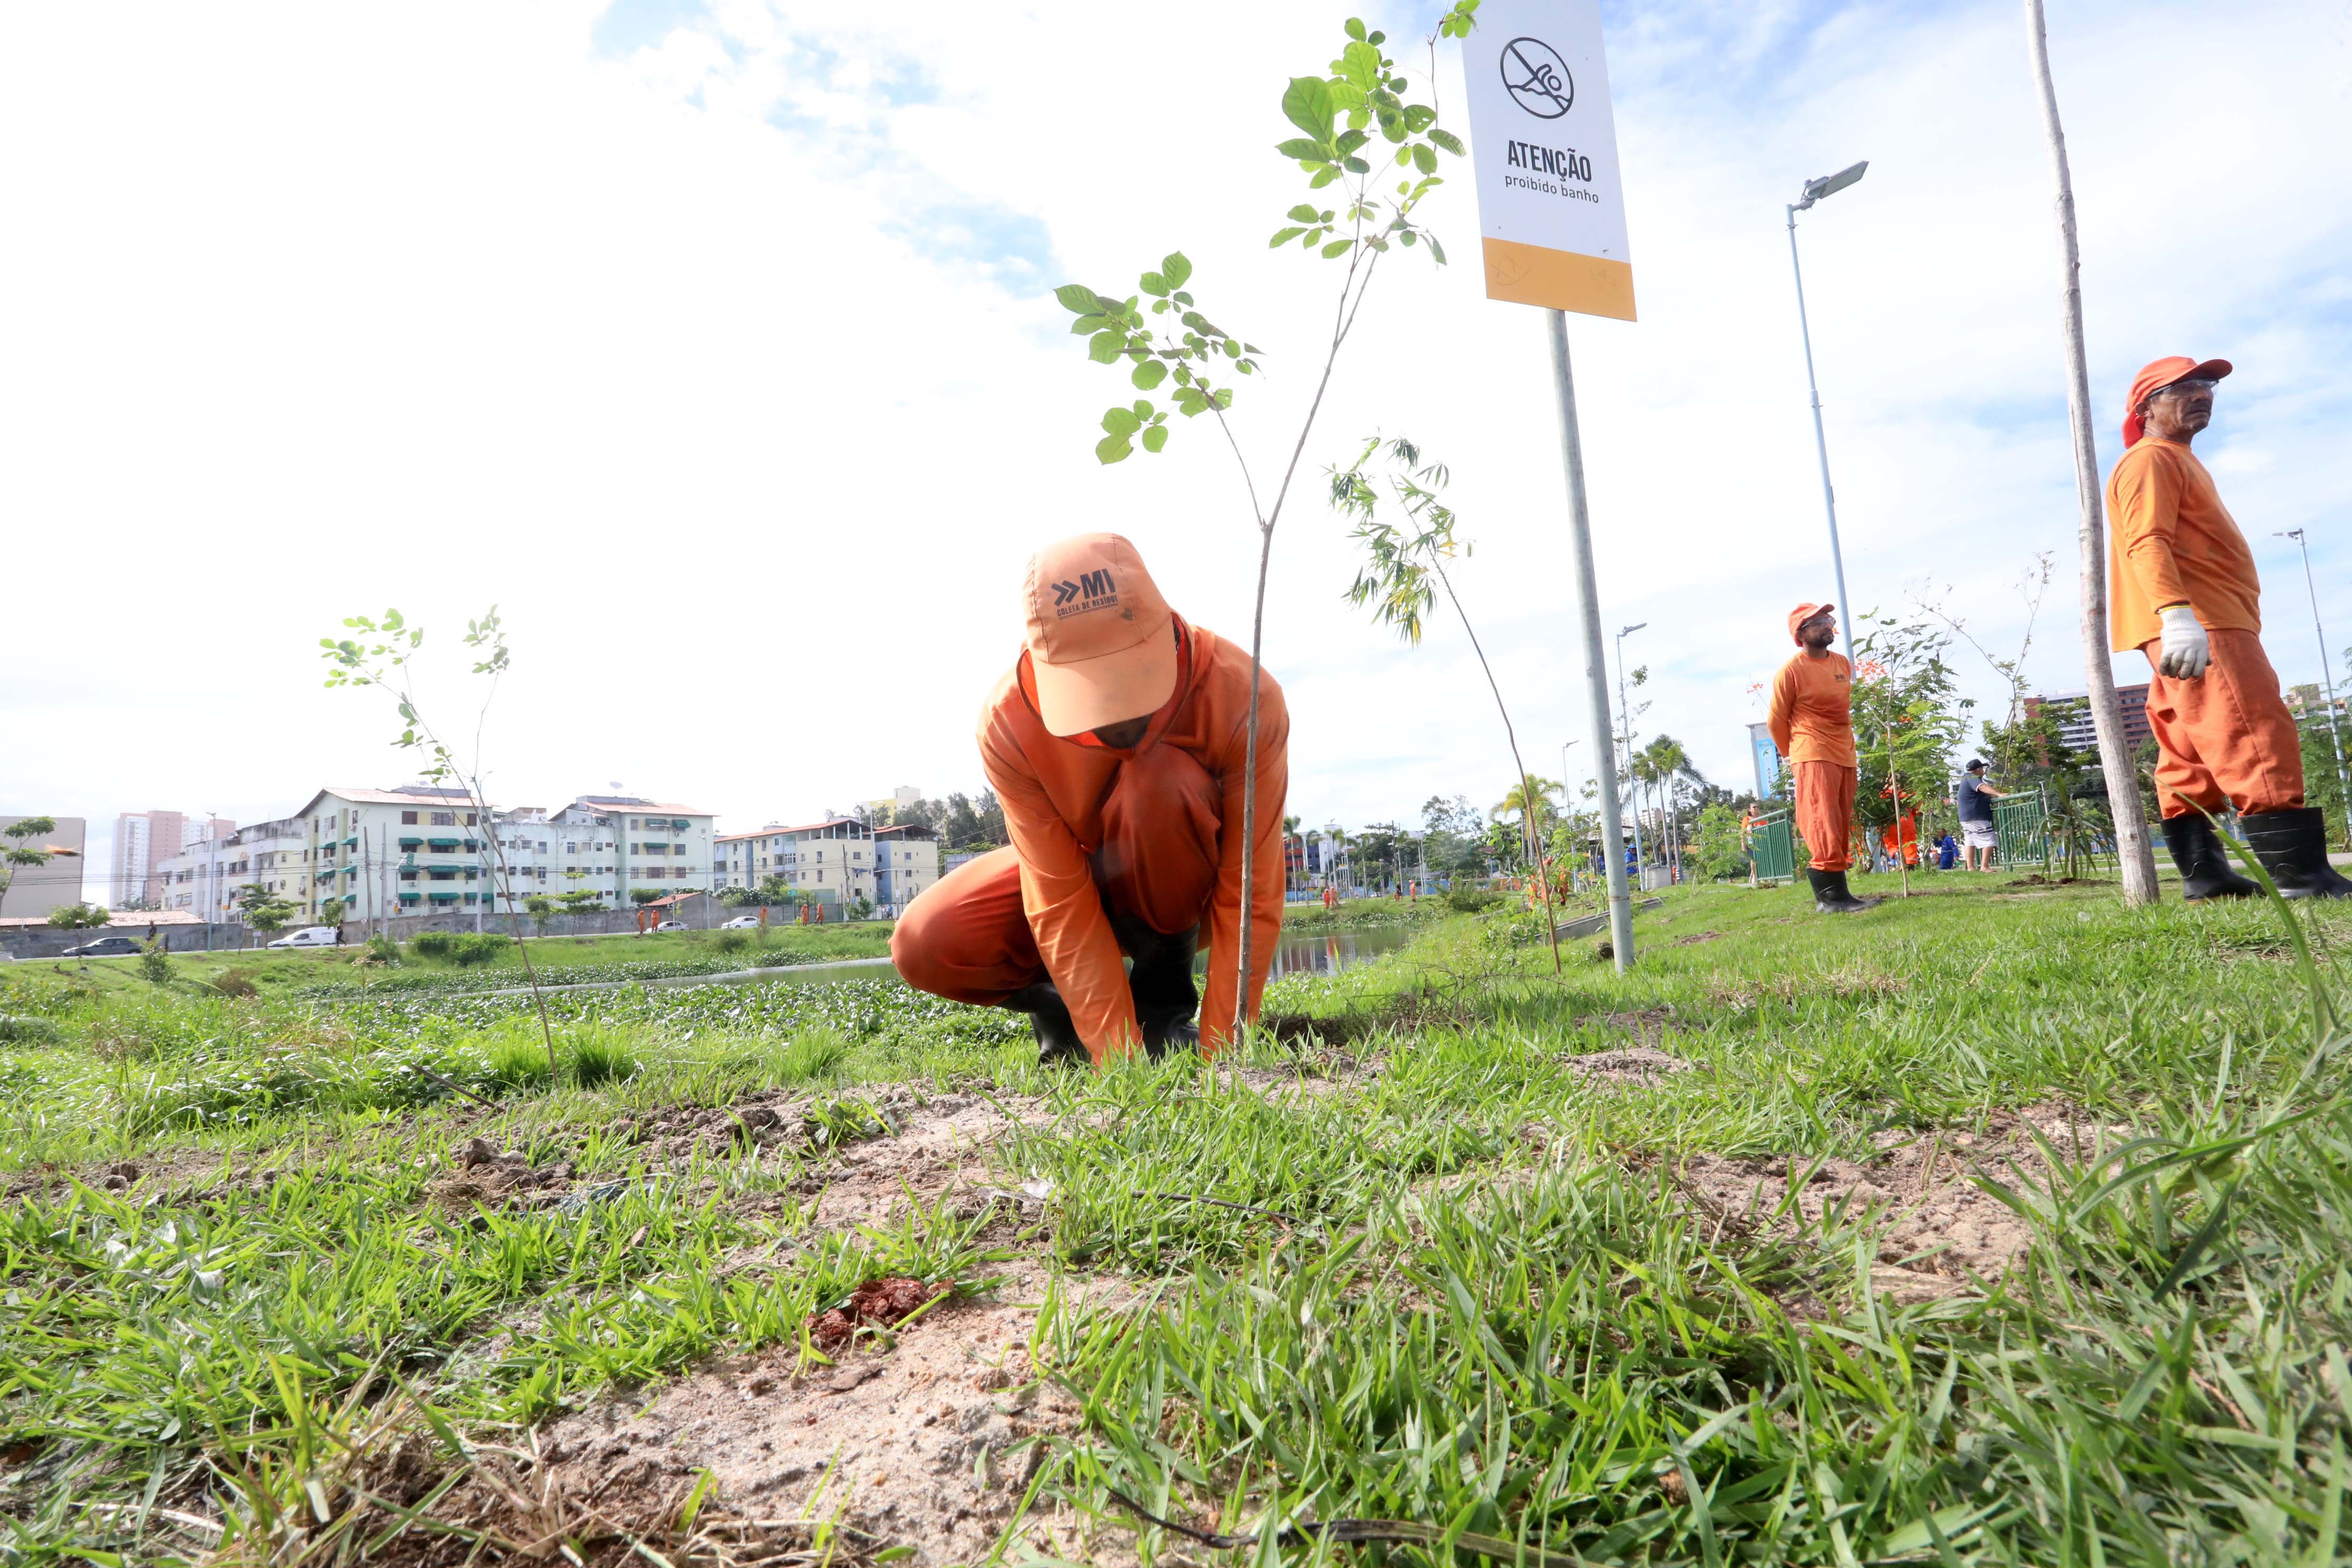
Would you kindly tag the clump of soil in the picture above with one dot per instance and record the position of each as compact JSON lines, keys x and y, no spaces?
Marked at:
{"x":480,"y":1174}
{"x":1938,"y":1233}
{"x":1639,"y":1065}
{"x":1850,"y":982}
{"x":2036,"y":879}
{"x":1695,"y":938}
{"x":1648,"y":1025}
{"x":878,"y":1303}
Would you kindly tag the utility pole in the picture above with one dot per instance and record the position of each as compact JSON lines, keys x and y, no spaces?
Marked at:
{"x":1625,"y":723}
{"x":2335,"y":734}
{"x":1828,"y":184}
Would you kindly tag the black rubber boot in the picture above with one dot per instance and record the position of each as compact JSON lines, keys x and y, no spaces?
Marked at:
{"x":2293,"y":848}
{"x":1832,"y":897}
{"x":2204,"y":863}
{"x":1161,"y":985}
{"x":1050,"y":1021}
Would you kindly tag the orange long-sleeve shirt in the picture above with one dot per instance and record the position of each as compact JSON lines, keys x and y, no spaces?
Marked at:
{"x":1054,"y":789}
{"x":1812,"y":718}
{"x":2171,"y":542}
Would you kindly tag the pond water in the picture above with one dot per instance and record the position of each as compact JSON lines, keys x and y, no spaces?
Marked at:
{"x":1293,"y":955}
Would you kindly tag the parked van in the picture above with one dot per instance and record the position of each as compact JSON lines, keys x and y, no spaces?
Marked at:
{"x":308,"y":936}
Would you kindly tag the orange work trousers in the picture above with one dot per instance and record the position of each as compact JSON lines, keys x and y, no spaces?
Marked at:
{"x":1825,"y":811}
{"x":967,"y":938}
{"x":2225,"y":738}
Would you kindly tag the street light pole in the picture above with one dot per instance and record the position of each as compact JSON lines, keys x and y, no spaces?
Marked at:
{"x":1564,"y":745}
{"x":1625,"y":724}
{"x":1814,"y":191}
{"x":2335,"y":735}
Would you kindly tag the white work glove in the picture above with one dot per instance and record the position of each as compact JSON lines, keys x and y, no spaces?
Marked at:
{"x":2186,"y":650}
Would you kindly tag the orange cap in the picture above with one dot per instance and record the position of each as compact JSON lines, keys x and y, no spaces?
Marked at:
{"x":1099,"y":644}
{"x":2164,"y":372}
{"x":1799,"y":615}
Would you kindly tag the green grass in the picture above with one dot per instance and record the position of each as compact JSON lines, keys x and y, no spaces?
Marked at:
{"x":1442,"y":1277}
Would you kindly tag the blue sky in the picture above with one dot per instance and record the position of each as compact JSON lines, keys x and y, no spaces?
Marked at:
{"x":715,"y":345}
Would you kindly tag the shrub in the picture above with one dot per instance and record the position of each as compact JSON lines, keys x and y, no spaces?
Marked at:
{"x":234,"y":983}
{"x":17,"y":1029}
{"x":432,"y":943}
{"x":1469,"y":900}
{"x":731,"y":941}
{"x":382,"y":949}
{"x":152,"y":965}
{"x":476,"y":947}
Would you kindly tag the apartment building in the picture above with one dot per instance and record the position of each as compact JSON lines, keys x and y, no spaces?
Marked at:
{"x":204,"y":878}
{"x":611,"y":844}
{"x":832,"y":861}
{"x":2073,"y":712}
{"x":143,"y":840}
{"x":906,"y":861}
{"x":33,"y":891}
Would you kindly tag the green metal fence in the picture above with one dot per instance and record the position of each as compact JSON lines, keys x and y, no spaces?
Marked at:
{"x":1772,"y":847}
{"x":2022,"y":826}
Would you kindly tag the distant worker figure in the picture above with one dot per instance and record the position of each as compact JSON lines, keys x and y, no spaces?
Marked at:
{"x":2182,"y":589}
{"x":1116,"y":743}
{"x":1973,"y":798}
{"x":1811,"y":723}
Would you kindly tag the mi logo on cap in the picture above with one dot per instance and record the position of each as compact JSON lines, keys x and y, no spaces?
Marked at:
{"x":1092,"y":591}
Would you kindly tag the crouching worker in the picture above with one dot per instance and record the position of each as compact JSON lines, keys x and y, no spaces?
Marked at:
{"x":1811,"y":720}
{"x":1117,"y":744}
{"x":2183,"y":588}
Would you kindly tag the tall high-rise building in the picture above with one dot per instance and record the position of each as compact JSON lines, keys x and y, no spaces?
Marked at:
{"x":143,"y":840}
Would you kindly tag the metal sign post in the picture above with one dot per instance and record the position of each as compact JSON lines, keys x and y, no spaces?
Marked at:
{"x":1552,"y":218}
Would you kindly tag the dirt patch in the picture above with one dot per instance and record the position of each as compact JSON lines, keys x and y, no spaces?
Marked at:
{"x":1639,"y":1065}
{"x":1697,"y":937}
{"x":1408,"y":1012}
{"x":2036,"y":879}
{"x":1647,"y":1025}
{"x":1851,"y":982}
{"x":1938,"y":1233}
{"x":879,"y":1303}
{"x":929,"y":1445}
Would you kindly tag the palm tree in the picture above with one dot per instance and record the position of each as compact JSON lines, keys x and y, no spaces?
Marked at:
{"x":1661,"y":764}
{"x":1530,"y":801}
{"x":1289,"y":832}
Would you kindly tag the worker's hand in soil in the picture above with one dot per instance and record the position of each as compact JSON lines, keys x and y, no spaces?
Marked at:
{"x":2185,"y":649}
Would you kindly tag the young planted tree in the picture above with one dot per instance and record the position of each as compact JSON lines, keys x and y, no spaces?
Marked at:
{"x":386,"y":663}
{"x":79,"y":916}
{"x":1907,"y":720}
{"x":1358,"y":127}
{"x":1401,"y":562}
{"x":262,"y":909}
{"x":20,"y":850}
{"x":2134,"y":853}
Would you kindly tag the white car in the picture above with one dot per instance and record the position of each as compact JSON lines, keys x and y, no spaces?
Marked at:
{"x":742,"y":923}
{"x":669,"y":925}
{"x":308,"y":936}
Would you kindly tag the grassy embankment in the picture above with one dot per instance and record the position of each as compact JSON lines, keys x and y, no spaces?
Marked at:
{"x":1452,"y":1275}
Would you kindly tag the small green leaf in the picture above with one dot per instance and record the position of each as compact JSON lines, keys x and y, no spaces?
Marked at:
{"x":1120,"y":421}
{"x":1104,"y":347}
{"x":1283,"y":237}
{"x":1323,"y":176}
{"x":1360,"y":62}
{"x":1181,"y":297}
{"x":1355,"y":28}
{"x":1303,"y":213}
{"x":1420,"y":117}
{"x":1079,"y":297}
{"x":1336,"y":247}
{"x":1149,"y":375}
{"x":1423,"y":159}
{"x":1154,"y":284}
{"x":1358,"y":166}
{"x":1113,"y":449}
{"x":1306,"y":103}
{"x":1437,"y":251}
{"x":1447,"y":140}
{"x":1306,"y":149}
{"x":1155,"y":437}
{"x":1407,"y":236}
{"x":1176,"y":267}
{"x":1349,"y":141}
{"x":1142,"y":408}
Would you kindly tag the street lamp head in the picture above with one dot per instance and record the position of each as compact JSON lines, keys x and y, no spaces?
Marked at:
{"x":2294,"y":533}
{"x":1636,"y":626}
{"x":1831,"y":184}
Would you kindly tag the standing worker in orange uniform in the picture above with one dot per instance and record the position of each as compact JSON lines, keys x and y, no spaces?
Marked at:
{"x":1811,"y":723}
{"x":1116,"y":743}
{"x":2184,"y":592}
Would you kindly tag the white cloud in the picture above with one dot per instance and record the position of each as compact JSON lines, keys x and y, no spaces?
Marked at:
{"x":718,"y":357}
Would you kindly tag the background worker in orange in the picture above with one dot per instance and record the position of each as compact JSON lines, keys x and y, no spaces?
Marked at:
{"x":1811,"y":720}
{"x":1116,"y":743}
{"x":2183,"y":589}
